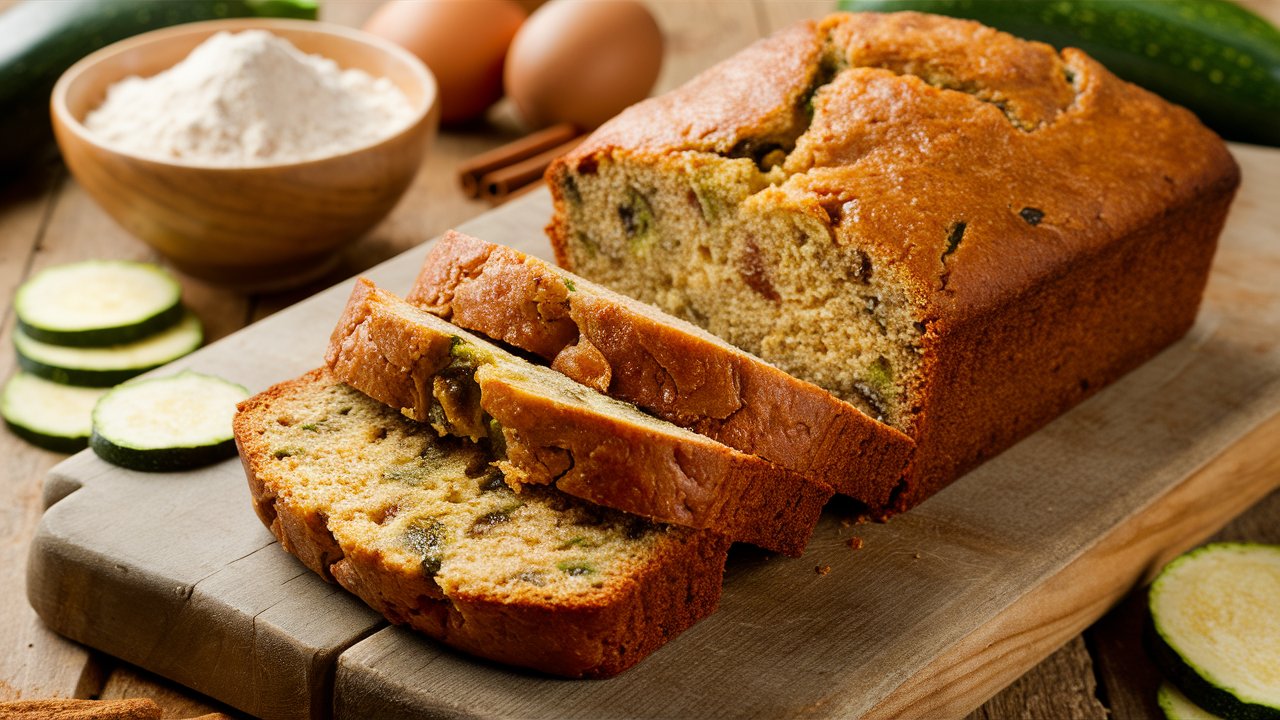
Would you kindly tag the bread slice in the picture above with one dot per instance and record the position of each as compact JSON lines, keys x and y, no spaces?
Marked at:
{"x":559,"y":432}
{"x":667,"y":366}
{"x":424,"y":530}
{"x":951,"y":228}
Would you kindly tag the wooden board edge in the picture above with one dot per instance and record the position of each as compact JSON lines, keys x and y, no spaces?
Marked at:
{"x":59,"y":482}
{"x":1033,"y":627}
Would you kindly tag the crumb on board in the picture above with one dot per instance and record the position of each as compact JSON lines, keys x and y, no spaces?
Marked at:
{"x":851,"y":520}
{"x":855,"y":542}
{"x":822,"y":569}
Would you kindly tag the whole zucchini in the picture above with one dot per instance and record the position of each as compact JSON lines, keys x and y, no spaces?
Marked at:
{"x":1214,"y":57}
{"x":40,"y":39}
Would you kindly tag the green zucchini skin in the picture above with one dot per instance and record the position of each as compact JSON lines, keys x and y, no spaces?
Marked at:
{"x":98,"y":337}
{"x":1214,"y":57}
{"x":188,"y":331}
{"x":1212,"y":694}
{"x":83,"y":377}
{"x":1176,"y":706}
{"x":124,"y":435}
{"x":54,"y":443}
{"x":1197,"y":689}
{"x":64,"y":289}
{"x":160,"y":460}
{"x":40,"y":39}
{"x":48,"y":415}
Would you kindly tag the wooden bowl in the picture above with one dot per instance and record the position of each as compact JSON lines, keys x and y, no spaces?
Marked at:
{"x":260,"y":227}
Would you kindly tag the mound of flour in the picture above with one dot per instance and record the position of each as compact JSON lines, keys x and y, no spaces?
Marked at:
{"x":249,"y":98}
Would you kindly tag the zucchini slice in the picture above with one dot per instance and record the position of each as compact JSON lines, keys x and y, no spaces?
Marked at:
{"x":1215,"y":628}
{"x":48,"y":415}
{"x":1176,"y":706}
{"x":107,"y":366}
{"x":98,"y":302}
{"x":167,"y":423}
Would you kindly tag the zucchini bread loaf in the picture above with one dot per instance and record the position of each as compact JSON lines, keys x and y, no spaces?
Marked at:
{"x":677,"y":371}
{"x":423,"y":529}
{"x":551,"y":430}
{"x":960,"y":232}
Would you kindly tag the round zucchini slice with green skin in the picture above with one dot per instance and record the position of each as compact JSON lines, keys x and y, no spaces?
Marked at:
{"x":1177,"y":706}
{"x":49,"y":415}
{"x":167,"y":423}
{"x":1215,"y":628}
{"x":107,"y":366}
{"x":98,"y":302}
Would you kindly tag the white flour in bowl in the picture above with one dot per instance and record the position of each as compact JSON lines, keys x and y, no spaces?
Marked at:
{"x":249,"y":98}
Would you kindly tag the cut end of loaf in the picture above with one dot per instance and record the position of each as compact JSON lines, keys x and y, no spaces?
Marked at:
{"x":710,"y":239}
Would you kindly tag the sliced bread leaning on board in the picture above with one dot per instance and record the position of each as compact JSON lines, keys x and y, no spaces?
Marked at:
{"x":639,"y":354}
{"x":424,"y":530}
{"x":555,"y":431}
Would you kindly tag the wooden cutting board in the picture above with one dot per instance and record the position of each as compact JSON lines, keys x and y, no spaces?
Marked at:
{"x":937,"y":611}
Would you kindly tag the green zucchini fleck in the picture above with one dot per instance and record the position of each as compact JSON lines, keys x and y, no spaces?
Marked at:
{"x":483,"y":524}
{"x":413,"y":473}
{"x":576,"y":541}
{"x":710,"y":205}
{"x":636,"y":217}
{"x":426,"y":537}
{"x":575,"y":567}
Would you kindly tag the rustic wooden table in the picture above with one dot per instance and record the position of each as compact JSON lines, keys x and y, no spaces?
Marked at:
{"x":46,"y":219}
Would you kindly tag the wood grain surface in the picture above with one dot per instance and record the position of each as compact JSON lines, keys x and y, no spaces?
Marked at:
{"x":45,"y":218}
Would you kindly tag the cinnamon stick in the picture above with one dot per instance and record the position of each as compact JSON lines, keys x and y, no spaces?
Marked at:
{"x":496,"y":200}
{"x":531,"y":145}
{"x":72,"y":709}
{"x":496,"y":185}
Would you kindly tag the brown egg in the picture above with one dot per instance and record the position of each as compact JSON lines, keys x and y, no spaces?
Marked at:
{"x":583,"y":61}
{"x":462,"y":41}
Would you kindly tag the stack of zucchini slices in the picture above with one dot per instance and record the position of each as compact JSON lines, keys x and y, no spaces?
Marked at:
{"x":1215,"y":633}
{"x":83,"y":328}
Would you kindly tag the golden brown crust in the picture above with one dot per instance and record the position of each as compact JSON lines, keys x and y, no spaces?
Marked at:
{"x":751,"y":95}
{"x":1106,"y":164}
{"x":383,"y":357}
{"x":571,"y":637}
{"x":1025,"y":80}
{"x":303,"y":535}
{"x":585,"y":641}
{"x":625,"y":466}
{"x":606,"y":458}
{"x":1052,"y":224}
{"x":1075,"y":334}
{"x":641,"y":355}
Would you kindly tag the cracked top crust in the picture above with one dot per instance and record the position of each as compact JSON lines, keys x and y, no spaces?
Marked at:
{"x":976,"y":163}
